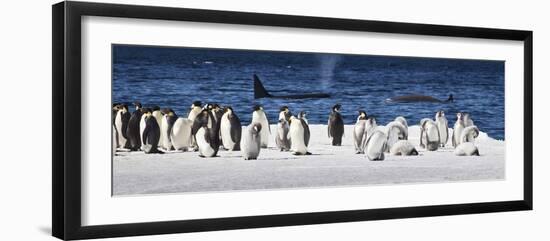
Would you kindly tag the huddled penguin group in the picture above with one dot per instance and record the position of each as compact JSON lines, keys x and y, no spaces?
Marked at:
{"x":210,"y":128}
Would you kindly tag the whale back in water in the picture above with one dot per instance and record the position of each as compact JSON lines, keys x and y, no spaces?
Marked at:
{"x":418,"y":98}
{"x":261,"y":92}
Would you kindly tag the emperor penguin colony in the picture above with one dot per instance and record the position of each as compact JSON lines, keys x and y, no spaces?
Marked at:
{"x":211,"y":128}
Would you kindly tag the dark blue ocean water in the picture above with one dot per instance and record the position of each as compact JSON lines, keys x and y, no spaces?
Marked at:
{"x":175,"y":77}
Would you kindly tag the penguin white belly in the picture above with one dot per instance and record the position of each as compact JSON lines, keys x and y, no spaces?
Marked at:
{"x":359,"y":134}
{"x":249,"y":146}
{"x":204,"y":147}
{"x":432,"y":137}
{"x":141,"y":129}
{"x":376,"y":146}
{"x":466,"y":149}
{"x":443,"y":131}
{"x":264,"y":132}
{"x":158,"y":116}
{"x":181,"y":134}
{"x":225,"y":129}
{"x":457,"y":133}
{"x":118,"y":125}
{"x":296,"y":133}
{"x":165,"y":139}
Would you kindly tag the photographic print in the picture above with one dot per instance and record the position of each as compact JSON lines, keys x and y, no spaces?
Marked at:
{"x":188,"y":120}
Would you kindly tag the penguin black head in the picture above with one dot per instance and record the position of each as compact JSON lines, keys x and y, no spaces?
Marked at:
{"x":362,"y":115}
{"x":459,"y":116}
{"x":284,"y":108}
{"x":302,"y":114}
{"x":124,"y":107}
{"x":137,"y":104}
{"x":196,"y":103}
{"x":258,"y":107}
{"x":155,"y":108}
{"x":337,"y":107}
{"x":440,"y":113}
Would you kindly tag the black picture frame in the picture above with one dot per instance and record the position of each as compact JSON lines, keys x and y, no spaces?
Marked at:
{"x":66,"y":127}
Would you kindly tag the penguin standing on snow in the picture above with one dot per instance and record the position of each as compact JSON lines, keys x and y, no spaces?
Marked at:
{"x":251,"y":143}
{"x":458,"y":128}
{"x":121,"y":124}
{"x":359,"y":132}
{"x":281,"y":140}
{"x":336,"y":125}
{"x":206,"y":134}
{"x":168,"y":121}
{"x":443,"y":126}
{"x":151,"y":133}
{"x":430,"y":136}
{"x":375,"y":146}
{"x":230,"y":130}
{"x":299,"y":136}
{"x":196,"y":109}
{"x":180,"y":136}
{"x":259,"y":116}
{"x":133,"y":128}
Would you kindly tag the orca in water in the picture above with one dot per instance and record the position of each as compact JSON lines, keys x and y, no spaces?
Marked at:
{"x":261,"y":92}
{"x":419,"y":98}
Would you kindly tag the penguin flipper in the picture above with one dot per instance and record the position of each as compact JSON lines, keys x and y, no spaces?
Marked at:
{"x":306,"y":132}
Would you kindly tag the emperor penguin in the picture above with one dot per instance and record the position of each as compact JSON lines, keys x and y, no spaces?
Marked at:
{"x":167,"y":123}
{"x":206,"y":136}
{"x":281,"y":139}
{"x":259,"y":116}
{"x":395,"y":131}
{"x":443,"y":127}
{"x":151,"y":133}
{"x":457,"y":129}
{"x":180,"y":136}
{"x":403,"y":122}
{"x":230,"y":130}
{"x":469,"y":134}
{"x":284,"y":113}
{"x":194,"y":111}
{"x":157,"y":113}
{"x":431,"y":135}
{"x":468,"y":119}
{"x":404,"y":148}
{"x":422,"y":134}
{"x":375,"y":146}
{"x":466,"y":149}
{"x":121,"y":125}
{"x":142,"y":125}
{"x":359,"y":132}
{"x":336,"y":125}
{"x":299,"y":136}
{"x":133,"y":128}
{"x":251,"y":142}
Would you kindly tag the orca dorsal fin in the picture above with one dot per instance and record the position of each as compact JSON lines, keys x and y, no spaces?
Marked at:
{"x":259,"y":89}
